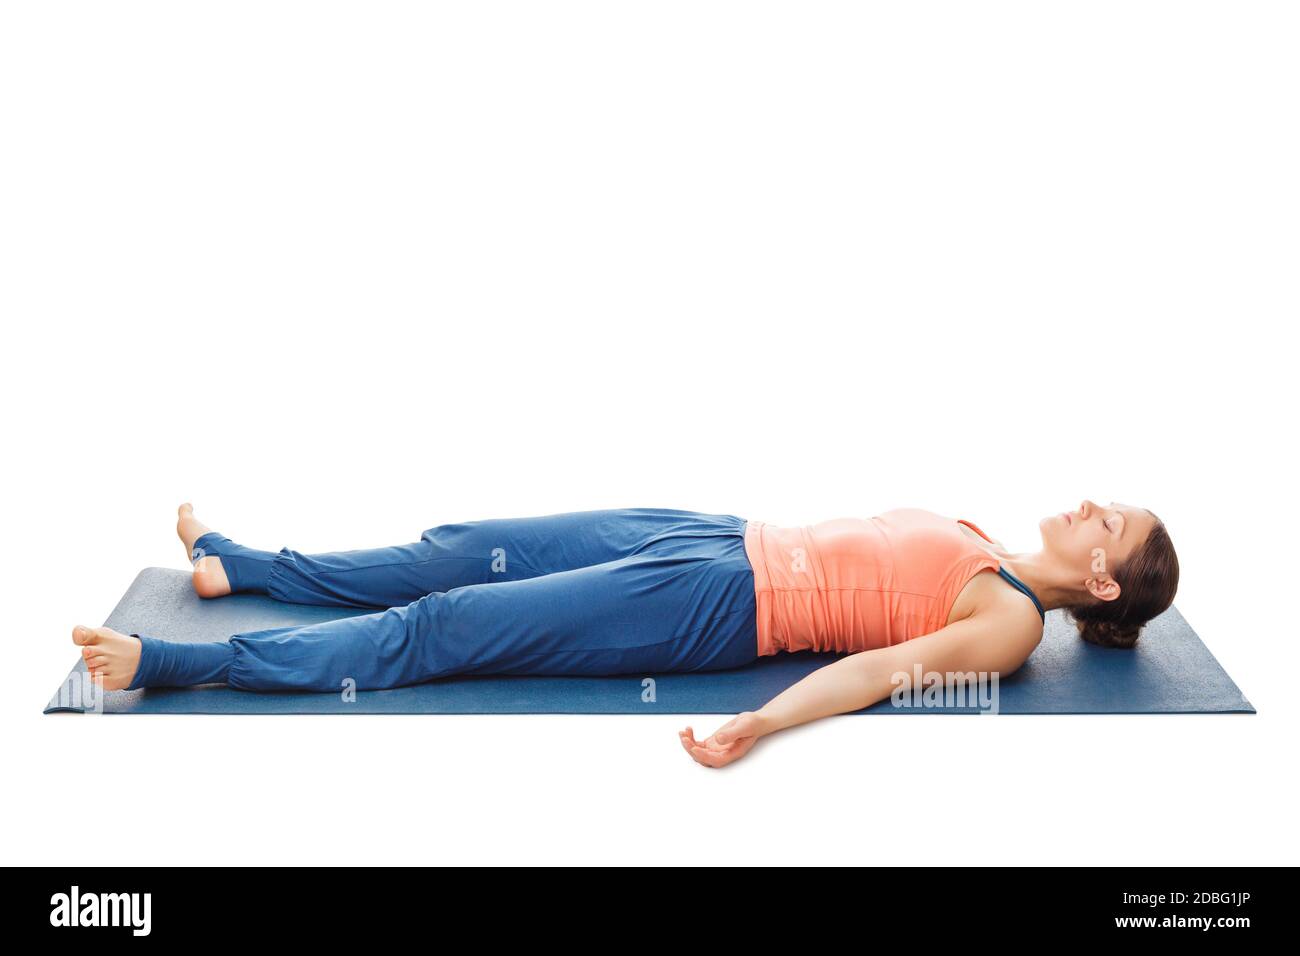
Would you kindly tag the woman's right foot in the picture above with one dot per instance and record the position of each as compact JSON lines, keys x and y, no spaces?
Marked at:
{"x":111,"y":657}
{"x":209,"y":577}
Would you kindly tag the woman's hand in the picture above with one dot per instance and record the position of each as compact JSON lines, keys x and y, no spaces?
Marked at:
{"x":729,"y":742}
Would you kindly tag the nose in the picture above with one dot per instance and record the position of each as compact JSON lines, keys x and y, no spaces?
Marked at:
{"x":1086,"y":508}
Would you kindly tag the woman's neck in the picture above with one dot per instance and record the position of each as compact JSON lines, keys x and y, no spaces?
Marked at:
{"x":1051,"y":585}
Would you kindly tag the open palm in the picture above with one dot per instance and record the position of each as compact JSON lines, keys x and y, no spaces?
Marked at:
{"x":728,"y":744}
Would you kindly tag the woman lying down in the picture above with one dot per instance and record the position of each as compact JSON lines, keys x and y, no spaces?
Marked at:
{"x":645,"y":591}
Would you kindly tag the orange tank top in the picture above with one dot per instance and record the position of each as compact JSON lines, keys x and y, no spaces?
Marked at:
{"x":856,"y":584}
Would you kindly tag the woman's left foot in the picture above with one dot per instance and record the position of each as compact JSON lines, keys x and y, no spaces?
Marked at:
{"x":109,"y":656}
{"x":209,"y":579}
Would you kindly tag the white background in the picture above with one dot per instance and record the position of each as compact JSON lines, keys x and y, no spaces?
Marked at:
{"x":341,"y":272}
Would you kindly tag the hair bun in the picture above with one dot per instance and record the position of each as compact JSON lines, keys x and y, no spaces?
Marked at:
{"x":1108,"y":633}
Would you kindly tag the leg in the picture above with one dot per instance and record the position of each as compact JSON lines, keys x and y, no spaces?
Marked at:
{"x":692,"y":609}
{"x":210,"y":580}
{"x":451,"y":556}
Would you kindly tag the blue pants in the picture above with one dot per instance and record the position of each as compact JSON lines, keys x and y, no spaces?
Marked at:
{"x":632,"y":591}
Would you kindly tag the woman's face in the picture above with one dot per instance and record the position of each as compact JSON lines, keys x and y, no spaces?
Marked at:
{"x":1093,"y":539}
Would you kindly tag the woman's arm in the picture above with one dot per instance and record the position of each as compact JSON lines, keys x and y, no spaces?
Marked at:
{"x":997,"y":639}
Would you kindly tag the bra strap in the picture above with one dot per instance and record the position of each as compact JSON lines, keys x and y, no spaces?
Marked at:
{"x":1010,"y":578}
{"x":1023,"y":588}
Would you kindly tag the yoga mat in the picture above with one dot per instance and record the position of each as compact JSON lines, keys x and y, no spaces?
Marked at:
{"x":1170,"y":671}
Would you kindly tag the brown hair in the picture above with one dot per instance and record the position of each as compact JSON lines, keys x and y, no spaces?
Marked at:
{"x":1148,"y":581}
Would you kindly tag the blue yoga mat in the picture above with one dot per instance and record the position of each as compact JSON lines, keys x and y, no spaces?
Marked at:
{"x":1170,"y":671}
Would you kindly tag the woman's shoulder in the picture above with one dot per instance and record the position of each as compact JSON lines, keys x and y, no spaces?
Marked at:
{"x":988,"y":594}
{"x":995,"y":596}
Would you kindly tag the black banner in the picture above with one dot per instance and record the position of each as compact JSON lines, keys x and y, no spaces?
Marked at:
{"x":349,"y":905}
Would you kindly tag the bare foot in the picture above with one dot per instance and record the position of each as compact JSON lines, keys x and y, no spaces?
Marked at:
{"x":109,"y":656}
{"x":210,"y":579}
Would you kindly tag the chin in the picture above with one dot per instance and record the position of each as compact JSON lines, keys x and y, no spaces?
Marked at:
{"x":1047,"y":528}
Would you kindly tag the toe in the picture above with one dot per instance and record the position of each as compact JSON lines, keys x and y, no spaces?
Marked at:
{"x":84,"y":635}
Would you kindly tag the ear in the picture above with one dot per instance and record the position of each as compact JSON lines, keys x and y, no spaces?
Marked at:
{"x":1103,"y":589}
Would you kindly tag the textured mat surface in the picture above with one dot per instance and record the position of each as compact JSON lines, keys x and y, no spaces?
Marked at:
{"x":1170,"y":671}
